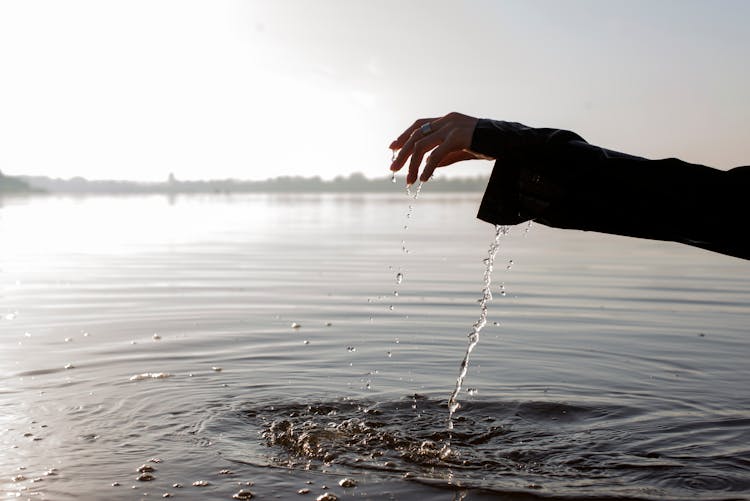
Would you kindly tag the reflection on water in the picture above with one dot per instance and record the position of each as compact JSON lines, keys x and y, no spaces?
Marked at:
{"x":227,"y":344}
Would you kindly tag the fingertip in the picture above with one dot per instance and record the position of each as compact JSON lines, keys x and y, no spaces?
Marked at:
{"x":392,"y":146}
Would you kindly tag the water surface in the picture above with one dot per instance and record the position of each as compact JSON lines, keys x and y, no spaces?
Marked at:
{"x":250,"y":338}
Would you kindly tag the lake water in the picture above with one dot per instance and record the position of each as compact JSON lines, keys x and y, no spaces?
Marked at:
{"x":250,"y":338}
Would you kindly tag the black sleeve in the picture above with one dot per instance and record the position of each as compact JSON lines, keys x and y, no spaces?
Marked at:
{"x":556,"y":178}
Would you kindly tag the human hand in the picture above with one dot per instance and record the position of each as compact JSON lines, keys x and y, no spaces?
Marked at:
{"x":449,"y":137}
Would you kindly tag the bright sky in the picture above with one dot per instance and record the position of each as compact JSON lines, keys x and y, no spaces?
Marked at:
{"x":137,"y":89}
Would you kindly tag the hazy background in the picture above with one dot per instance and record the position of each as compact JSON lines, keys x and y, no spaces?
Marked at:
{"x":256,"y":89}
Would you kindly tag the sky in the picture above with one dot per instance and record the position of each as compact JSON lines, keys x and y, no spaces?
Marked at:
{"x":256,"y":89}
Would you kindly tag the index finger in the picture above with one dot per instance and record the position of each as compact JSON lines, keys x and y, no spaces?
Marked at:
{"x":401,"y":140}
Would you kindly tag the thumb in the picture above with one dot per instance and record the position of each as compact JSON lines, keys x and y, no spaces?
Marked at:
{"x":441,"y":156}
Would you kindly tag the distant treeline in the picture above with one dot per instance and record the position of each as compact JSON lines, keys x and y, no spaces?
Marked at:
{"x":10,"y":184}
{"x":353,"y":183}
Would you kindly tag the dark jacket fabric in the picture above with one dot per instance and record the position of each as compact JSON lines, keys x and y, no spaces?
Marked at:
{"x":556,"y":178}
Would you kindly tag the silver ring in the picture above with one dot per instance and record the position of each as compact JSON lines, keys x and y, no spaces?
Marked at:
{"x":426,"y":128}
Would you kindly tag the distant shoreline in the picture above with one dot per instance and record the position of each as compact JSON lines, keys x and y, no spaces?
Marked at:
{"x":15,"y":186}
{"x":354,"y":183}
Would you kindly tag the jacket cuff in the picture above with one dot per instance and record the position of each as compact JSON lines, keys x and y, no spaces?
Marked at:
{"x":500,"y":203}
{"x":526,"y":179}
{"x":495,"y":138}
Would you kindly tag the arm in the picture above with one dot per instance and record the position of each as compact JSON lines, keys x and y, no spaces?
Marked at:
{"x":558,"y":179}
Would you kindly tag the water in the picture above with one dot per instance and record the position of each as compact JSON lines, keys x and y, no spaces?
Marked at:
{"x":489,"y":263}
{"x":617,"y":368}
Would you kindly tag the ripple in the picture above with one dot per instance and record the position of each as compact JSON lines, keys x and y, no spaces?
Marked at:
{"x":535,"y":448}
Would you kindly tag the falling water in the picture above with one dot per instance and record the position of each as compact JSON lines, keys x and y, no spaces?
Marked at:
{"x":404,"y":249}
{"x":489,"y":262}
{"x":416,"y":192}
{"x":393,"y":173}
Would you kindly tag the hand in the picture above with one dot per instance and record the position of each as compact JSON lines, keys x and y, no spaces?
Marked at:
{"x":449,"y":137}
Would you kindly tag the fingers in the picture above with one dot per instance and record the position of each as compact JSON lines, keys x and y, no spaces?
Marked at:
{"x":414,"y":142}
{"x":401,"y":140}
{"x":450,"y":137}
{"x":406,"y":142}
{"x":419,"y":150}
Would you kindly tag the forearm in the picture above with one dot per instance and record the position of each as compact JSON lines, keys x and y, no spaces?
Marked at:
{"x":556,"y":178}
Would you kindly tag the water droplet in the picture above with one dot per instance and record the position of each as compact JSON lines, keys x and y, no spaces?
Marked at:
{"x":389,"y":354}
{"x":145,"y":468}
{"x":70,"y":366}
{"x":495,"y":323}
{"x":243,"y":494}
{"x":67,"y":339}
{"x":216,"y":369}
{"x":395,"y":293}
{"x":327,"y":496}
{"x":351,"y":348}
{"x":306,"y":341}
{"x":472,"y":391}
{"x":295,"y":325}
{"x":393,"y":177}
{"x":347,"y":482}
{"x":156,"y":337}
{"x":145,"y":477}
{"x":390,"y":307}
{"x":329,"y":324}
{"x":201,"y":483}
{"x":399,"y":277}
